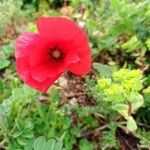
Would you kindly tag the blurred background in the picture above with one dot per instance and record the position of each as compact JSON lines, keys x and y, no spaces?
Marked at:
{"x":80,"y":113}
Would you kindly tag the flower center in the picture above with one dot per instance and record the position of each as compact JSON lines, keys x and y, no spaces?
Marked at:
{"x":56,"y":54}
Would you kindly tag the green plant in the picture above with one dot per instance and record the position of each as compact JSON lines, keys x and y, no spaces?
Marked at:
{"x":41,"y":144}
{"x":109,"y":139}
{"x":121,"y":93}
{"x":85,"y":145}
{"x":10,"y":12}
{"x":23,"y":118}
{"x":15,"y":132}
{"x":144,"y":137}
{"x":118,"y":96}
{"x":146,"y":93}
{"x":5,"y":53}
{"x":115,"y":24}
{"x":43,"y":4}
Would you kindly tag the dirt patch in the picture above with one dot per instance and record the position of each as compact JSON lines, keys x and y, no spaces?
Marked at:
{"x":76,"y":91}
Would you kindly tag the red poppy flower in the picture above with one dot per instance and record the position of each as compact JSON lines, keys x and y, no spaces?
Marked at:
{"x":59,"y":46}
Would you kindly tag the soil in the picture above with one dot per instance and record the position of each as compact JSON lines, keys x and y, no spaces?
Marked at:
{"x":76,"y":91}
{"x":127,"y":141}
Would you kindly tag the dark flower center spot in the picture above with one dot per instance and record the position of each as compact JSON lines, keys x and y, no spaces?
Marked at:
{"x":56,"y":54}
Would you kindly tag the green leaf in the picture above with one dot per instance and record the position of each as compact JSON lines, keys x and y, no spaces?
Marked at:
{"x":21,"y":141}
{"x":28,"y":91}
{"x":131,"y":124}
{"x":50,"y":145}
{"x":122,"y":109}
{"x":104,"y":70}
{"x":137,"y":102}
{"x":17,"y":93}
{"x":8,"y":50}
{"x":4,"y":63}
{"x":16,"y":134}
{"x":58,"y":145}
{"x":42,"y":112}
{"x":29,"y":145}
{"x":39,"y":143}
{"x":28,"y":134}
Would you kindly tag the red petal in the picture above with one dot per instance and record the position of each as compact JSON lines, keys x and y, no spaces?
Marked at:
{"x":23,"y":69}
{"x":58,"y":28}
{"x":84,"y":66}
{"x":24,"y":44}
{"x":71,"y":57}
{"x":39,"y":53}
{"x":42,"y":86}
{"x":44,"y":71}
{"x":81,"y":47}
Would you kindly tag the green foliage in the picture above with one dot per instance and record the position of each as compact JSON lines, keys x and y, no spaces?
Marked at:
{"x":131,"y":124}
{"x":85,"y":145}
{"x":41,"y":144}
{"x":85,"y":114}
{"x":23,"y":118}
{"x":43,"y":3}
{"x":4,"y":63}
{"x":122,"y":87}
{"x":105,"y":70}
{"x":115,"y":24}
{"x":132,"y":44}
{"x":31,"y":27}
{"x":108,"y":139}
{"x":10,"y":12}
{"x":144,"y":137}
{"x":5,"y":53}
{"x":16,"y":133}
{"x":118,"y":93}
{"x":147,"y":96}
{"x":121,"y":92}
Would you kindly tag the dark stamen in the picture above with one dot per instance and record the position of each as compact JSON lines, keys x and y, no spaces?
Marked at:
{"x":56,"y":53}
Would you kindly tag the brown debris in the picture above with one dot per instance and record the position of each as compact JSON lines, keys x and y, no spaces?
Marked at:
{"x":127,"y":141}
